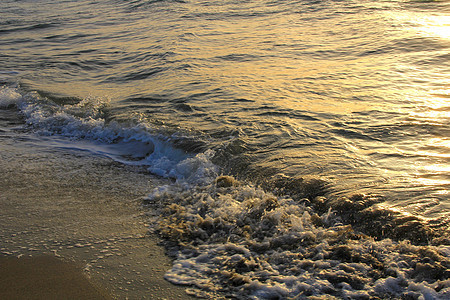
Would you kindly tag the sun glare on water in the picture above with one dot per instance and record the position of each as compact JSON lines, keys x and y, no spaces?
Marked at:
{"x":430,"y":91}
{"x":438,"y":26}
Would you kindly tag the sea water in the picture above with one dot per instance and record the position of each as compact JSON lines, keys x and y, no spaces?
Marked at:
{"x":307,"y":141}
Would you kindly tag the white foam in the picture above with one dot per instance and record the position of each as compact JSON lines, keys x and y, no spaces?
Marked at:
{"x":9,"y":97}
{"x":251,"y":244}
{"x":84,"y":127}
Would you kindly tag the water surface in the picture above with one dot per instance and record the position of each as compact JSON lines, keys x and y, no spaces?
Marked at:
{"x":303,"y":98}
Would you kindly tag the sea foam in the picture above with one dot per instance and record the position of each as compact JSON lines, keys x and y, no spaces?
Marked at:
{"x":9,"y":97}
{"x":234,"y":239}
{"x":84,"y":126}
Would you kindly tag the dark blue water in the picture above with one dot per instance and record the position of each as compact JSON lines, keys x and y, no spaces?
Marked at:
{"x":339,"y":110}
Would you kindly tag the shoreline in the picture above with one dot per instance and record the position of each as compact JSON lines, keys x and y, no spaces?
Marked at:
{"x":83,"y":208}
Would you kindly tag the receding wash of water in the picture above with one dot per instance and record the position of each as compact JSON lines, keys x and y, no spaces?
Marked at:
{"x":306,"y":143}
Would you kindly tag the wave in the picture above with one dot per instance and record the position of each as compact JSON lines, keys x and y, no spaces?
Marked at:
{"x":27,"y":28}
{"x":275,"y":237}
{"x":85,"y":126}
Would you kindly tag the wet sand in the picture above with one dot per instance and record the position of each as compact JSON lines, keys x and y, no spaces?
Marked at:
{"x":71,"y":205}
{"x":45,"y":277}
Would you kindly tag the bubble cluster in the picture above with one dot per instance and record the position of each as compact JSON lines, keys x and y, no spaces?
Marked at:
{"x":230,"y":239}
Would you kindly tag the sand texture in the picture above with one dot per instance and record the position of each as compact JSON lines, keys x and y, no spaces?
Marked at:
{"x":78,"y":207}
{"x":45,"y":277}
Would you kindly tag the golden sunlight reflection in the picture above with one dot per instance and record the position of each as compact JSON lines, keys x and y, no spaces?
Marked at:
{"x":436,"y":143}
{"x":433,"y":106}
{"x":424,"y":181}
{"x":434,"y":25}
{"x":435,"y":173}
{"x":438,"y":168}
{"x":425,"y":24}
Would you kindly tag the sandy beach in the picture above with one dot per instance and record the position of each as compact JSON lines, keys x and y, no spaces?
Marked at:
{"x":45,"y":277}
{"x":71,"y":216}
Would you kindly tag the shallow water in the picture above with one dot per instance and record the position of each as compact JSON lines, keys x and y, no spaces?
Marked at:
{"x":78,"y":207}
{"x":346,"y":100}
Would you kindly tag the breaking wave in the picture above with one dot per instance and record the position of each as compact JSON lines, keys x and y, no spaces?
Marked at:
{"x":232,"y":238}
{"x":85,"y":126}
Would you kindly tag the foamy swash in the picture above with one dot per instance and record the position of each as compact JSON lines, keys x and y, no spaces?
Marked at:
{"x":231,"y":238}
{"x":83,"y":126}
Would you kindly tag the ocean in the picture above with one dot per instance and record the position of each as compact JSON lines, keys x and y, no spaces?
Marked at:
{"x":304,"y":145}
